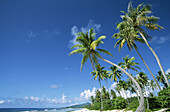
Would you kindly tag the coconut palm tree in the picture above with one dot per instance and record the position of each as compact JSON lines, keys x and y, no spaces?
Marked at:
{"x":132,"y":88}
{"x":114,"y":73}
{"x":127,"y":65}
{"x":88,"y":47}
{"x":99,"y":74}
{"x":113,"y":94}
{"x":140,"y":17}
{"x":161,"y":79}
{"x":143,"y":80}
{"x":128,"y":35}
{"x":124,"y":87}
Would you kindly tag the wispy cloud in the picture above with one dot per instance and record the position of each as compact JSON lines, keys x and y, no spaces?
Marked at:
{"x":74,"y":30}
{"x":159,"y":40}
{"x":46,"y":34}
{"x":54,"y":86}
{"x":2,"y":101}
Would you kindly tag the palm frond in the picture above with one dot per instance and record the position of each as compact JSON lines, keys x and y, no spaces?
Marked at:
{"x":81,"y":50}
{"x":104,"y":51}
{"x":77,"y":46}
{"x":85,"y":58}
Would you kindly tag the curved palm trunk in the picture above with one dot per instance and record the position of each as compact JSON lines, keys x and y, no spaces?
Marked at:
{"x":157,"y":59}
{"x":101,"y":97}
{"x":135,"y":88}
{"x":141,"y":107}
{"x":148,"y":69}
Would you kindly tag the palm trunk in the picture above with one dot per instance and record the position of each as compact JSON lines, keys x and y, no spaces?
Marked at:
{"x":91,"y":62}
{"x":157,"y":59}
{"x":135,"y":88}
{"x":101,"y":96}
{"x":148,"y":69}
{"x":141,"y":107}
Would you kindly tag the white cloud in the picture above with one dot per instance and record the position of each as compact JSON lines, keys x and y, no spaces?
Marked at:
{"x":34,"y":98}
{"x":2,"y":101}
{"x":90,"y":24}
{"x":54,"y":86}
{"x":32,"y":34}
{"x":63,"y":97}
{"x":167,"y":71}
{"x":87,"y":93}
{"x":159,"y":40}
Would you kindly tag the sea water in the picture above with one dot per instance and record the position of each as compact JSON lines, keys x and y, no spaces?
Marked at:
{"x":38,"y":109}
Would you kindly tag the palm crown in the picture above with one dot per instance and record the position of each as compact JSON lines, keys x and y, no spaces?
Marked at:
{"x":88,"y":47}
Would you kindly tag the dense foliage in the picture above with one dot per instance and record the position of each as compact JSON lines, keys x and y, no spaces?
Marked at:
{"x":118,"y":102}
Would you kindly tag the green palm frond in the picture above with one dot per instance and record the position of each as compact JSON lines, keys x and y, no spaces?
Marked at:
{"x":104,"y":51}
{"x":81,"y":50}
{"x":85,"y":58}
{"x":77,"y":46}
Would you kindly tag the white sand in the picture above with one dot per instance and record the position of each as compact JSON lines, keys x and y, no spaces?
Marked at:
{"x":86,"y":110}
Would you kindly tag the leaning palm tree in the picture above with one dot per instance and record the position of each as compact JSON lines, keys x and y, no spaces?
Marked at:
{"x":130,"y":64}
{"x":99,"y":74}
{"x":88,"y":48}
{"x":140,"y":17}
{"x":128,"y":35}
{"x":161,"y":79}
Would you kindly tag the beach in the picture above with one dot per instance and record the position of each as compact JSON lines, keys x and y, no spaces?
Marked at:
{"x":86,"y":110}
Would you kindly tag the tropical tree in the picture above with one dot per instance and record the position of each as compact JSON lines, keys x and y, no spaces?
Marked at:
{"x":113,"y":94}
{"x":161,"y":79}
{"x":132,"y":88}
{"x":92,"y":99}
{"x":99,"y":74}
{"x":124,"y":87}
{"x":127,"y":65}
{"x":114,"y":73}
{"x":128,"y":35}
{"x":143,"y":81}
{"x":140,"y":17}
{"x":88,"y":48}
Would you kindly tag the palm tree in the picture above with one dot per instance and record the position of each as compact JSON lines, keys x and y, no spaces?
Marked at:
{"x":161,"y":79}
{"x":124,"y":87}
{"x":113,"y":94}
{"x":92,"y":99}
{"x":99,"y":74}
{"x":143,"y":81}
{"x":129,"y":36}
{"x":140,"y":17}
{"x":131,"y":88}
{"x":118,"y":89}
{"x":130,"y":64}
{"x":114,"y":73}
{"x":88,"y":48}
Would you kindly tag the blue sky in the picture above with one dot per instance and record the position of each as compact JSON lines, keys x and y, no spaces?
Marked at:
{"x":35,"y":40}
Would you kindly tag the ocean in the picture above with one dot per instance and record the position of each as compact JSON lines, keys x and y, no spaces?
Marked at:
{"x":38,"y":109}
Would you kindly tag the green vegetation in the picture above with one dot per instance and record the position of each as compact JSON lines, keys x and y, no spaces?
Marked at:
{"x":114,"y":102}
{"x":131,"y":30}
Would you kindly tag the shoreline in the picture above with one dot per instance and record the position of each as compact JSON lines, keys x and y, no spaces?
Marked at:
{"x":87,"y":110}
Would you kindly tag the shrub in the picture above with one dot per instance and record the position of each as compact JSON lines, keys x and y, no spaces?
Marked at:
{"x":164,"y":98}
{"x":119,"y":103}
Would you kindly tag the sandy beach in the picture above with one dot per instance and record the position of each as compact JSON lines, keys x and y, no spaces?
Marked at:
{"x":86,"y":110}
